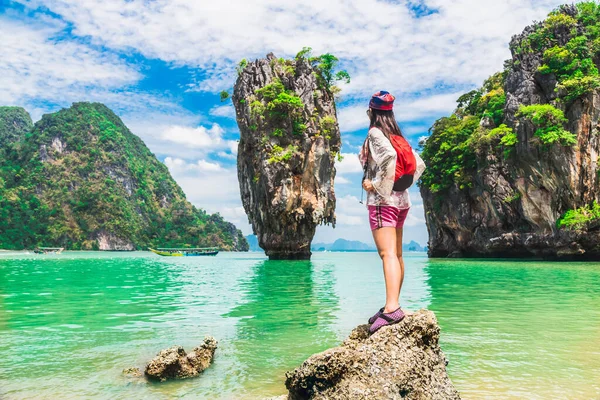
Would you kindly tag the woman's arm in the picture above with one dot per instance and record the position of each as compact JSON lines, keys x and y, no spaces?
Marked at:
{"x":420,"y":166}
{"x":384,"y":155}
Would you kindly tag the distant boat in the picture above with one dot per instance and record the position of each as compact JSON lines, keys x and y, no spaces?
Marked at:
{"x":49,"y":250}
{"x":180,"y":252}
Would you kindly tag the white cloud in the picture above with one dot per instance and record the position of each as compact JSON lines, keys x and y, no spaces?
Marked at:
{"x":406,"y":109}
{"x":341,"y":180}
{"x":179,"y":166}
{"x":383,"y":44}
{"x":208,"y":166}
{"x":199,"y":140}
{"x":233,"y":146}
{"x":227,"y":111}
{"x":416,"y":216}
{"x":352,"y":118}
{"x":413,"y":130}
{"x":201,"y":136}
{"x":234,"y":212}
{"x":349,"y":164}
{"x":229,"y":156}
{"x":349,"y":208}
{"x":238,"y":216}
{"x":35,"y":66}
{"x":353,"y":220}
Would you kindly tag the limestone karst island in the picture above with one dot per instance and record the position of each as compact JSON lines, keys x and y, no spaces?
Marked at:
{"x":358,"y":200}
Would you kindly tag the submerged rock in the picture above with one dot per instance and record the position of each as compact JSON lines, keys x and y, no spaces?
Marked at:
{"x":402,"y":361}
{"x":133,"y":372}
{"x":175,"y":363}
{"x":289,"y":140}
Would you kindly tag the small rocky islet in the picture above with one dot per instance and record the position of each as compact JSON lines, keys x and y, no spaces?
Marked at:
{"x":175,"y":363}
{"x":514,"y":171}
{"x":289,"y":142}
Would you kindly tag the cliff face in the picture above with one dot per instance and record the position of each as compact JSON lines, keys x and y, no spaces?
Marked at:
{"x":289,"y":138}
{"x":80,"y":179}
{"x":528,"y":187}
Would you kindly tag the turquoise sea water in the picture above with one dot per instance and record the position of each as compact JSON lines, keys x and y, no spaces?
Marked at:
{"x":70,"y":323}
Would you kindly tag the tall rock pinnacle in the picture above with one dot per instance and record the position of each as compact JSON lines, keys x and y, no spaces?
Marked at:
{"x":289,"y":140}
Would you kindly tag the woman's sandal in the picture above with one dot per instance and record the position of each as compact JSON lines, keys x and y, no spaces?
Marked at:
{"x":374,"y":317}
{"x":387,"y":319}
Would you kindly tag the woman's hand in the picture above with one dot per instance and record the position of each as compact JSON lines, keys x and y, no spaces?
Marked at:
{"x":368,"y":186}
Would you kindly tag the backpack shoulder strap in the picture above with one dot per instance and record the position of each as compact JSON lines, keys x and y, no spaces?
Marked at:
{"x":366,"y":166}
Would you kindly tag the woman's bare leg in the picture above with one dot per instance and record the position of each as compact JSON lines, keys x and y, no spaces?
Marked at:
{"x":385,"y":240}
{"x":399,"y":255}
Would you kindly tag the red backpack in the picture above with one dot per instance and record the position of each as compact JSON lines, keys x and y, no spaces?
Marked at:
{"x":406,"y":163}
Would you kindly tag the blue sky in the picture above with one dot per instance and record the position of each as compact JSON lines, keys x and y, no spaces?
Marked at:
{"x":160,"y":65}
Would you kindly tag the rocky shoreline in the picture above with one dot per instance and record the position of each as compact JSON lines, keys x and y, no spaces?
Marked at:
{"x":401,"y":361}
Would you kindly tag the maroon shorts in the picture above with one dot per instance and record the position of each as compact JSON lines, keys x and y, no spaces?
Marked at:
{"x":386,"y":216}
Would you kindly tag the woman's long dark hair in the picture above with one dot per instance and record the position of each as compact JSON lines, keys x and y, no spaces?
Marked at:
{"x":385,"y":121}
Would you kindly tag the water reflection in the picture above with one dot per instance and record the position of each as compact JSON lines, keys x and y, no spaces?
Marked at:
{"x":72,"y":292}
{"x":70,"y":324}
{"x":286,"y":317}
{"x":67,"y":316}
{"x":515,"y":328}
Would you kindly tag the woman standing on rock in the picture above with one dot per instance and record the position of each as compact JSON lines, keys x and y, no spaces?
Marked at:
{"x":390,"y":166}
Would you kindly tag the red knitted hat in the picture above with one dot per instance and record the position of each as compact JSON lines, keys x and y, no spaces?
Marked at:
{"x":382,"y":100}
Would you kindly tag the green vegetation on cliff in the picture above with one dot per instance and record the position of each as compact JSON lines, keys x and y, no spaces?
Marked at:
{"x":580,"y":217}
{"x":448,"y":155}
{"x":80,"y":176}
{"x":549,"y":122}
{"x":14,"y":123}
{"x":279,"y":154}
{"x":286,"y":115}
{"x":572,"y":62}
{"x":570,"y":49}
{"x":451,"y":149}
{"x":279,"y":105}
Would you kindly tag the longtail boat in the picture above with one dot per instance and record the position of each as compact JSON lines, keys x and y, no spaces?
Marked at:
{"x":48,"y":250}
{"x":184,"y":252}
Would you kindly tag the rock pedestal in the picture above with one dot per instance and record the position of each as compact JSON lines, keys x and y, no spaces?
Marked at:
{"x":289,"y":139}
{"x":402,"y":361}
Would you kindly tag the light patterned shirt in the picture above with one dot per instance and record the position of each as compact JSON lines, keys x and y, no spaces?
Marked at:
{"x":381,"y":171}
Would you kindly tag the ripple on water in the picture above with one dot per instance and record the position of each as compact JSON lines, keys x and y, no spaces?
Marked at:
{"x":510,"y":329}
